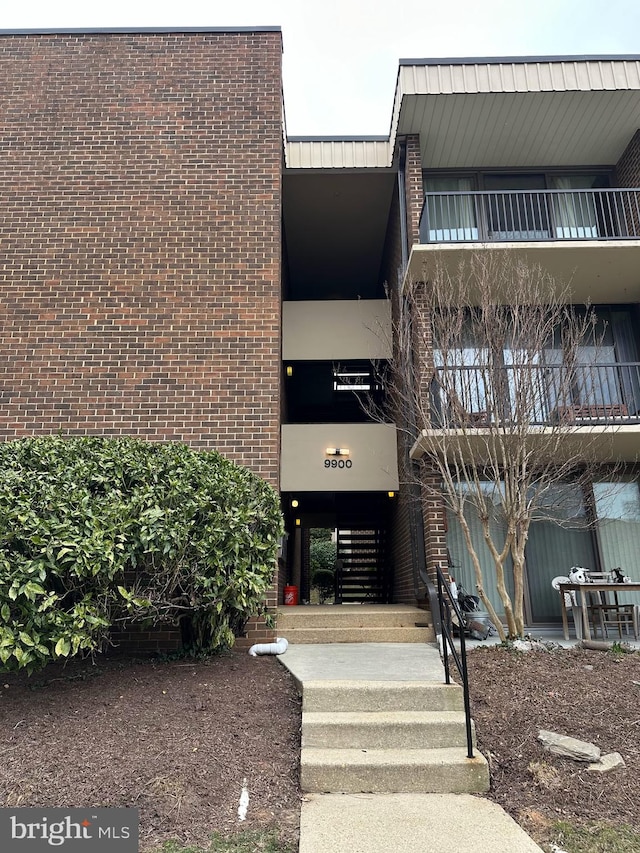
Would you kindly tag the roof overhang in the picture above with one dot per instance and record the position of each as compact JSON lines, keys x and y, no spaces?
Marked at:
{"x":518,"y":113}
{"x":318,"y":152}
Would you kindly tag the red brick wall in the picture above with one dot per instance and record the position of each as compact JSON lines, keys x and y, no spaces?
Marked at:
{"x":628,"y":167}
{"x":140,"y":234}
{"x":146,"y":641}
{"x":140,"y":264}
{"x":628,"y":175}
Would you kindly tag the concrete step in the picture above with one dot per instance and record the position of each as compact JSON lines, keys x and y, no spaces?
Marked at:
{"x":430,"y":771}
{"x":348,"y":634}
{"x":383,"y":729}
{"x":351,"y":615}
{"x":337,"y":696}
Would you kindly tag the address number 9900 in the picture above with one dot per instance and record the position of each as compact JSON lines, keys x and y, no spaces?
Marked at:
{"x":338,"y":463}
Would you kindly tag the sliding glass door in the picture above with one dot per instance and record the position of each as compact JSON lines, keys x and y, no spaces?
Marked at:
{"x":618,"y":524}
{"x":557,"y":542}
{"x":574,"y":213}
{"x":517,"y":215}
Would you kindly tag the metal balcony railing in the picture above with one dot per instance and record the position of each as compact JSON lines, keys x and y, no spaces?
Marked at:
{"x":479,"y":396}
{"x":530,"y":215}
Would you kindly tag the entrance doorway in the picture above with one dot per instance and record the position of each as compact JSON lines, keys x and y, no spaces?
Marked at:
{"x":338,"y":547}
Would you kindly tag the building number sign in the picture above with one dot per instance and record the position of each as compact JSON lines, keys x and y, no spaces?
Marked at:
{"x":338,"y":463}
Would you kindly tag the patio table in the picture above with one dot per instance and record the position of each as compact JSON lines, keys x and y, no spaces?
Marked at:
{"x":583,"y":588}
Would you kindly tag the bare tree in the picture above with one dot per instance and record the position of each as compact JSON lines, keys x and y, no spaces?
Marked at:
{"x":507,"y":392}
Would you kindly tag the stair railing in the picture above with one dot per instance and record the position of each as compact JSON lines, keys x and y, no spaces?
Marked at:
{"x":449,"y":608}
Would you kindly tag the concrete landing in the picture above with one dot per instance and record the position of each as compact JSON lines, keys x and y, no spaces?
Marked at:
{"x":364,"y":662}
{"x":388,"y":823}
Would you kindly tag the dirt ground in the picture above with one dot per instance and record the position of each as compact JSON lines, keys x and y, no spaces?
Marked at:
{"x":177,"y":739}
{"x":590,"y":695}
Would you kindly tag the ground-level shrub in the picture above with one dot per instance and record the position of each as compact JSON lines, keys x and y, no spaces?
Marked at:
{"x":97,"y":531}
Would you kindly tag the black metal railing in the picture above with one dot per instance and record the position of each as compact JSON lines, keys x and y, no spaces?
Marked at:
{"x":481,"y":395}
{"x":530,"y":215}
{"x":447,"y":606}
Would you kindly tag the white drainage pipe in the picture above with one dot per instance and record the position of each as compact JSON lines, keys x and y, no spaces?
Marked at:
{"x":244,"y":801}
{"x":277,"y":648}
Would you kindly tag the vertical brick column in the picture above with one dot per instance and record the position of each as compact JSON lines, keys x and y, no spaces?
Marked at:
{"x":435,"y":521}
{"x":413,"y":187}
{"x":433,"y":508}
{"x":422,"y":333}
{"x":628,"y":166}
{"x":628,"y":175}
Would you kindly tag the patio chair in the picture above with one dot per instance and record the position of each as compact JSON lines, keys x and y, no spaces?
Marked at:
{"x":571,"y":604}
{"x":605,"y":609}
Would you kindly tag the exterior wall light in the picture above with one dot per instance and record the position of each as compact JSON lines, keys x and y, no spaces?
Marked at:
{"x":297,"y":522}
{"x":289,"y":370}
{"x":294,"y":503}
{"x":337,"y":451}
{"x":391,"y":494}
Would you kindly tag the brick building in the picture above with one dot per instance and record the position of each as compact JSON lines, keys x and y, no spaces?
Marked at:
{"x":175,"y":267}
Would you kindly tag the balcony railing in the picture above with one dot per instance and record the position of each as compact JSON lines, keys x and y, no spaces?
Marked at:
{"x":530,"y":215}
{"x":480,"y":396}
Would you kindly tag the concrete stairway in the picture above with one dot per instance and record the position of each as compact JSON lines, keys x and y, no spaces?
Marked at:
{"x":355,"y":623}
{"x":386,"y":737}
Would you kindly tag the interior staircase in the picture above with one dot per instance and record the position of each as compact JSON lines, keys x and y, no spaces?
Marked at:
{"x":354,"y":623}
{"x":362,"y":575}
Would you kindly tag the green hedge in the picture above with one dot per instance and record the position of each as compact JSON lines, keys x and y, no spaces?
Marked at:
{"x":95,"y":532}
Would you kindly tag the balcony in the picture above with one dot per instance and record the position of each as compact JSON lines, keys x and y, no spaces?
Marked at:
{"x":575,"y":402}
{"x":530,"y":215}
{"x":590,"y":238}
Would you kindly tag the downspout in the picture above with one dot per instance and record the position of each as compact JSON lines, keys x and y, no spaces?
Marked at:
{"x":402,"y":198}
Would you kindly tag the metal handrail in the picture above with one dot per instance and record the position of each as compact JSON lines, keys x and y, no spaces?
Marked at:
{"x":447,"y":603}
{"x":530,"y":215}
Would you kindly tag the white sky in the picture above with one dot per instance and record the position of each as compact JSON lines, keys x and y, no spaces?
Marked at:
{"x":341,"y":56}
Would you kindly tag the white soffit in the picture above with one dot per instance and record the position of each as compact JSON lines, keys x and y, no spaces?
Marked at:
{"x":472,"y":114}
{"x":337,"y":153}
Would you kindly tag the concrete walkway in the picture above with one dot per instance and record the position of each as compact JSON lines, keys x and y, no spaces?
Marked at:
{"x":394,"y":823}
{"x":388,"y":823}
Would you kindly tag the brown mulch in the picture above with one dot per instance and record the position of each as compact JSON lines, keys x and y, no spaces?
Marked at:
{"x":174,"y":738}
{"x":591,"y":695}
{"x":178,"y":738}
